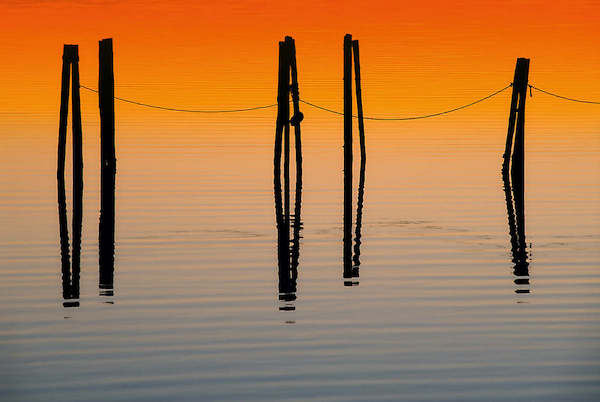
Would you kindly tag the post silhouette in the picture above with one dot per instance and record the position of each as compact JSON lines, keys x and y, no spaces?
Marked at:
{"x":106,"y":102}
{"x":288,"y":252}
{"x":363,"y":160}
{"x":106,"y":229}
{"x":347,"y":241}
{"x":69,"y":273}
{"x":516,"y":228}
{"x":351,"y":263}
{"x":514,"y":178}
{"x":517,"y":115}
{"x":70,"y":266}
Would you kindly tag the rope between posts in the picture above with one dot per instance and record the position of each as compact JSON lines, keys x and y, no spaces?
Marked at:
{"x":415,"y":117}
{"x":340,"y":113}
{"x":185,"y":110}
{"x":564,"y":97}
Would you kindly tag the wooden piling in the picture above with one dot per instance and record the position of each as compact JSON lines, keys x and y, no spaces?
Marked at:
{"x":359,"y":105}
{"x":64,"y":111}
{"x":297,"y":117}
{"x":519,"y":93}
{"x":518,"y":157}
{"x":106,"y":102}
{"x":77,"y":133}
{"x":106,"y":229}
{"x":283,"y":257}
{"x":347,"y":242}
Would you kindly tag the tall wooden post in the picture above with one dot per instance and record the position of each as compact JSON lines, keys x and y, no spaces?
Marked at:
{"x":64,"y":111}
{"x":519,"y":95}
{"x":106,"y":230}
{"x":297,"y":116}
{"x":296,"y":119}
{"x":106,"y":98}
{"x":359,"y":105}
{"x":282,"y":227}
{"x":77,"y":163}
{"x":518,"y":158}
{"x":347,"y":251}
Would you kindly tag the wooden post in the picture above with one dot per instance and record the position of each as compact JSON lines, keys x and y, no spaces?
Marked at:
{"x":106,"y":101}
{"x":106,"y":230}
{"x":518,"y":157}
{"x":295,"y":121}
{"x":347,"y":251}
{"x":64,"y":111}
{"x":283,"y":257}
{"x":359,"y":105}
{"x":77,"y":166}
{"x":77,"y":134}
{"x":519,"y":88}
{"x":297,"y":116}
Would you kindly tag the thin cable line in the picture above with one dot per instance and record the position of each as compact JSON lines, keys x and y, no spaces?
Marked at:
{"x":564,"y":97}
{"x":186,"y":110}
{"x":413,"y":117}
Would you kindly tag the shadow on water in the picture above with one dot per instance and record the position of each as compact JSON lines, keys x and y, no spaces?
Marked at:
{"x":106,"y":230}
{"x":515,"y":209}
{"x":70,"y":266}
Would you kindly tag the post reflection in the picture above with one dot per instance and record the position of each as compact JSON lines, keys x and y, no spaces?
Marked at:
{"x":351,"y":257}
{"x":70,"y":266}
{"x":106,"y":232}
{"x":288,"y":251}
{"x":515,"y":208}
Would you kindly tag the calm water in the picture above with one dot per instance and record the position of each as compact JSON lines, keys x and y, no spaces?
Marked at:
{"x":437,"y":313}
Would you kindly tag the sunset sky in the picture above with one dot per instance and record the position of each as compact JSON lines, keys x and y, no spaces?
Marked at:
{"x":417,"y":57}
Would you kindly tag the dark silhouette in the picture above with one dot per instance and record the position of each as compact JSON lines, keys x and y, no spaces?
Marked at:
{"x":514,"y":186}
{"x":515,"y":210}
{"x":106,"y":102}
{"x":351,"y":263}
{"x":106,"y":237}
{"x":70,"y":269}
{"x":517,"y":112}
{"x":288,"y":253}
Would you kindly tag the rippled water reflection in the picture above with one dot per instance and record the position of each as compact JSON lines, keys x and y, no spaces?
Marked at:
{"x":206,"y":298}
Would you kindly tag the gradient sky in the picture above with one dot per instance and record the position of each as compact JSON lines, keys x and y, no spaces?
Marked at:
{"x":418,"y":57}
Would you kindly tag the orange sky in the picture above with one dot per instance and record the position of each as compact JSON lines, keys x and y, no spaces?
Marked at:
{"x":418,"y":57}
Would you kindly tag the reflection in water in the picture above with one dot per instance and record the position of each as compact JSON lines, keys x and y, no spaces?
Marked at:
{"x":515,"y":209}
{"x":70,"y":268}
{"x":352,"y":254}
{"x":106,"y":237}
{"x":359,"y":210}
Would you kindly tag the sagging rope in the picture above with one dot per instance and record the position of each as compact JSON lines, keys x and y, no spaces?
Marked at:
{"x":185,"y":110}
{"x":340,"y":113}
{"x":563,"y":97}
{"x":414,"y":117}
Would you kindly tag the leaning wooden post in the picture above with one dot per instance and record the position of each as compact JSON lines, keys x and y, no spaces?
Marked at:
{"x":359,"y":105}
{"x":77,"y":134}
{"x":77,"y":167}
{"x":518,"y":157}
{"x":297,"y":116}
{"x":347,"y":251}
{"x":64,"y":111}
{"x":521,"y":66}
